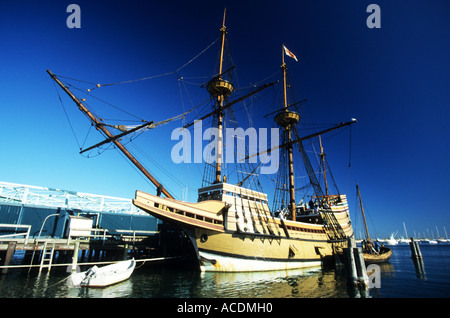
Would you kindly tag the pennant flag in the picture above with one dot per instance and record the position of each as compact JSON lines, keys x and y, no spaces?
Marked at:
{"x":290,"y":54}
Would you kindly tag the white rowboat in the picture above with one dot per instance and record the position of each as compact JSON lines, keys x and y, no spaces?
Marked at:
{"x":104,"y":276}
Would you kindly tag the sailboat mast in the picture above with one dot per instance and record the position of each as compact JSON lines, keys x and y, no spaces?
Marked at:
{"x":362,"y":210}
{"x":101,"y":127}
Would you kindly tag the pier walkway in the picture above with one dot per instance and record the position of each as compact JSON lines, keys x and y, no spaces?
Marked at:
{"x":54,"y":227}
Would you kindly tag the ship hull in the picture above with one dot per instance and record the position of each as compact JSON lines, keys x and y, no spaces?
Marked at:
{"x":238,"y":252}
{"x":240,"y":263}
{"x":221,"y":243}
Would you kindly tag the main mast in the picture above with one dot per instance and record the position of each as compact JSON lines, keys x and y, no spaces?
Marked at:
{"x":220,"y":89}
{"x":288,"y":120}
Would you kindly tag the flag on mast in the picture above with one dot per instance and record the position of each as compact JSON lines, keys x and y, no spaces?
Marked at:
{"x":289,"y":53}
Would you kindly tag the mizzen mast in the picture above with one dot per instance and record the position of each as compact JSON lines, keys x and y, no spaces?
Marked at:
{"x":100,"y":126}
{"x":322,"y":156}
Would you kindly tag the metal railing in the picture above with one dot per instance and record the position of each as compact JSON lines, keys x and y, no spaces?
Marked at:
{"x":106,"y":234}
{"x":15,"y":226}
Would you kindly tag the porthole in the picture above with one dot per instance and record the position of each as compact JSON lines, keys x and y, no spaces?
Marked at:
{"x":203,"y":238}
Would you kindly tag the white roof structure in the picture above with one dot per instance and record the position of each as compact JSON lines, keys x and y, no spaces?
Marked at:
{"x":58,"y":198}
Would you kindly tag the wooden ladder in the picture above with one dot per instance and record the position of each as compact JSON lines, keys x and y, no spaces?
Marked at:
{"x":47,"y":255}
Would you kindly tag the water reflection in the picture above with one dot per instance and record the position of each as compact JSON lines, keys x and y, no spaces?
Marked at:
{"x":311,"y":282}
{"x":176,"y":283}
{"x":161,"y":282}
{"x":147,"y":282}
{"x":400,"y":277}
{"x":120,"y":290}
{"x":420,"y":268}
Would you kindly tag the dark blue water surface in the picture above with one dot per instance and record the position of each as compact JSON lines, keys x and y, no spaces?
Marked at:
{"x":400,"y":278}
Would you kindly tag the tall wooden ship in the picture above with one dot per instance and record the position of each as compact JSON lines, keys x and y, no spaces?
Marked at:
{"x":231,"y":226}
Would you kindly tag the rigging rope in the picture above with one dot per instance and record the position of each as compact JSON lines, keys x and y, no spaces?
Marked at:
{"x":350,"y":150}
{"x":180,"y":116}
{"x":156,"y":76}
{"x":67,"y":116}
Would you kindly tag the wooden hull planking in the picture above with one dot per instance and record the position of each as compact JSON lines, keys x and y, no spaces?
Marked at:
{"x":378,"y":258}
{"x":221,"y":245}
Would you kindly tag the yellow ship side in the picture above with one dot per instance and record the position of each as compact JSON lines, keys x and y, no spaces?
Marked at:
{"x":224,"y":241}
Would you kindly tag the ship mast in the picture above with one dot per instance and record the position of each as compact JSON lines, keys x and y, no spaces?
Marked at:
{"x":362,"y":210}
{"x":322,"y":156}
{"x":110,"y":136}
{"x":220,"y":89}
{"x":288,"y":119}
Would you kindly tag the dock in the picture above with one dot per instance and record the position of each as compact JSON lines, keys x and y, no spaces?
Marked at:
{"x":49,"y":252}
{"x":54,"y":227}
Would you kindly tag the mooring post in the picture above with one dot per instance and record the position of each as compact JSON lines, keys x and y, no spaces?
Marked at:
{"x":350,"y":257}
{"x":416,"y":256}
{"x":125,"y":251}
{"x":9,"y":254}
{"x":415,"y":250}
{"x":361,"y":267}
{"x":75,"y":256}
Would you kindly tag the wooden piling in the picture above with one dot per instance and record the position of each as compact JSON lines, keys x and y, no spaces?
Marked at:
{"x":363,"y":279}
{"x":9,"y":254}
{"x":125,"y":252}
{"x":416,"y":256}
{"x":415,"y":249}
{"x":75,"y":256}
{"x":350,"y":261}
{"x":356,"y":268}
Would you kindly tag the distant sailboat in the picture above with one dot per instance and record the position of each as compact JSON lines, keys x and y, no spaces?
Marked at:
{"x":404,"y":240}
{"x":391,"y":240}
{"x":440,"y":239}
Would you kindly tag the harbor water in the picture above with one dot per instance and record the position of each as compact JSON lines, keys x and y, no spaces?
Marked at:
{"x":399,"y":278}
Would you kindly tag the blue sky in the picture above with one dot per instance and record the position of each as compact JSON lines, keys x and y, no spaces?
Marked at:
{"x":395,"y":80}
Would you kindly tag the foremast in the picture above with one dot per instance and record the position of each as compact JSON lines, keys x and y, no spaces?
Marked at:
{"x":100,"y":126}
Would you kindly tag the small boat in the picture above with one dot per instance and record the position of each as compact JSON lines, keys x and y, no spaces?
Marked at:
{"x":438,"y":238}
{"x":104,"y":276}
{"x":378,"y":254}
{"x":432,"y":241}
{"x":391,"y":240}
{"x":373,"y":252}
